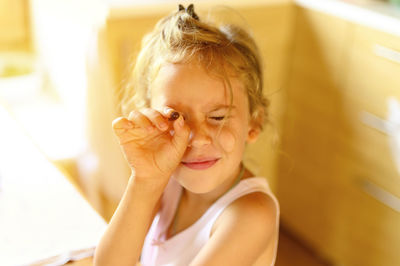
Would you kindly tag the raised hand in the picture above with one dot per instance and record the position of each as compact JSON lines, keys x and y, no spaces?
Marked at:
{"x":153,"y":142}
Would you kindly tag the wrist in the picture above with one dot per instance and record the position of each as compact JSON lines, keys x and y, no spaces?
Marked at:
{"x":152,"y":185}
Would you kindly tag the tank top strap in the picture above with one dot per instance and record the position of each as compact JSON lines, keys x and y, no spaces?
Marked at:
{"x":244,"y":187}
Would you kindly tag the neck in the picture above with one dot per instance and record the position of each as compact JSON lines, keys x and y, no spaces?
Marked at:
{"x":201,"y":202}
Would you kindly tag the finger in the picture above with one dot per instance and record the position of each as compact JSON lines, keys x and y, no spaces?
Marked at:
{"x":139,"y":120}
{"x":121,"y":123}
{"x":121,"y":126}
{"x":156,"y":118}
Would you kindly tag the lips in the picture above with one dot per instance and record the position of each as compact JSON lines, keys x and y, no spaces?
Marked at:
{"x":200,"y":164}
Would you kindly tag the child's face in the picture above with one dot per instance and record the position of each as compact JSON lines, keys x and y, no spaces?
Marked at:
{"x":214,"y":153}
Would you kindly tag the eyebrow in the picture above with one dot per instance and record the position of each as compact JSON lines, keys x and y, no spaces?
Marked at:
{"x":213,"y":108}
{"x":222,"y":106}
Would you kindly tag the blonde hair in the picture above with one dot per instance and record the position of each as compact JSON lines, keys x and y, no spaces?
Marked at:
{"x":182,"y":37}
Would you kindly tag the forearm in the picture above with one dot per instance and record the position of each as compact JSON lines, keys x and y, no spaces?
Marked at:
{"x":122,"y":242}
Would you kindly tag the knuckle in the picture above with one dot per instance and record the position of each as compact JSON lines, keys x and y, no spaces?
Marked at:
{"x":131,"y":114}
{"x":153,"y":115}
{"x":135,"y":115}
{"x":150,"y":112}
{"x":117,"y":122}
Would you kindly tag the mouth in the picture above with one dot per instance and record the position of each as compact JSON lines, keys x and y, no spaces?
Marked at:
{"x":200,"y":164}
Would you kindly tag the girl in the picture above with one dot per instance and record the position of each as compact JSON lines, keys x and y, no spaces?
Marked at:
{"x":190,"y":201}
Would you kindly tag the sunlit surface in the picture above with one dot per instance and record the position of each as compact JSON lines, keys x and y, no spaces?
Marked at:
{"x":41,"y":214}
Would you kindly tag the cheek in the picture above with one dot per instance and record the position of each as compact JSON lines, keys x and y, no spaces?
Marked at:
{"x":227,"y":140}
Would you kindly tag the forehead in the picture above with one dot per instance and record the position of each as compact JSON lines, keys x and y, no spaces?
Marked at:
{"x":190,"y":84}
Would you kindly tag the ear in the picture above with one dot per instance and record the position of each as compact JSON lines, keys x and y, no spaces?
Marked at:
{"x":255,"y":125}
{"x":253,"y":134}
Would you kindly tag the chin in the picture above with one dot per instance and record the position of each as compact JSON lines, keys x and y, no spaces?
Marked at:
{"x":196,"y":181}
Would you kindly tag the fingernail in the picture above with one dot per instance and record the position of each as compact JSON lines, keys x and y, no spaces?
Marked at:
{"x":167,"y":110}
{"x":174,"y":116}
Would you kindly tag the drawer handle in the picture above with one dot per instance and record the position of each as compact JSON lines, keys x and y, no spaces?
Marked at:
{"x":380,"y":194}
{"x":376,"y":122}
{"x":387,"y":53}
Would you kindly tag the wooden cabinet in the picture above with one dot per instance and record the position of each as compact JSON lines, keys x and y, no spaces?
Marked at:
{"x":366,"y":230}
{"x":338,"y":186}
{"x":314,"y":87}
{"x":371,"y":80}
{"x":368,"y":212}
{"x":374,"y":70}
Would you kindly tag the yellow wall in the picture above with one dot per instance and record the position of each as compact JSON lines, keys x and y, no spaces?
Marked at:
{"x":14,"y":25}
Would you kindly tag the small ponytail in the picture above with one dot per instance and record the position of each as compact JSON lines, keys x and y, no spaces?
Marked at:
{"x":189,"y":10}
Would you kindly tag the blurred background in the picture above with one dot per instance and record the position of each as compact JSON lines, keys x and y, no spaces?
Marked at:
{"x":331,"y":153}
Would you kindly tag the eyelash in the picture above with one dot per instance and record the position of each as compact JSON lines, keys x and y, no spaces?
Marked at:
{"x":218,"y":118}
{"x":215,"y":118}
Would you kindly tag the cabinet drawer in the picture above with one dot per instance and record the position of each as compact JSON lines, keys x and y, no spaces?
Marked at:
{"x":366,"y":39}
{"x":313,"y":137}
{"x":372,"y":78}
{"x":368,"y":148}
{"x":374,"y":70}
{"x":367,"y":218}
{"x":370,"y":160}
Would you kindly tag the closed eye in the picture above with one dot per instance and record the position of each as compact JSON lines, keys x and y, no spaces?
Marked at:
{"x":218,"y":118}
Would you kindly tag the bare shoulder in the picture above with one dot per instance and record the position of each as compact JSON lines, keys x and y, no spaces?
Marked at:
{"x":242,"y":233}
{"x":256,"y":203}
{"x":252,"y":217}
{"x":254,"y":211}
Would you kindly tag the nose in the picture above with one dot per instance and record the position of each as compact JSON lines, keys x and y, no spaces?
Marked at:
{"x":199,"y":135}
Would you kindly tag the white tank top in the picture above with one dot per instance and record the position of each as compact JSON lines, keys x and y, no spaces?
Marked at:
{"x":180,"y":249}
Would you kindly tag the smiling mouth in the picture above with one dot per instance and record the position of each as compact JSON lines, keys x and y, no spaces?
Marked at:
{"x":201,"y":165}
